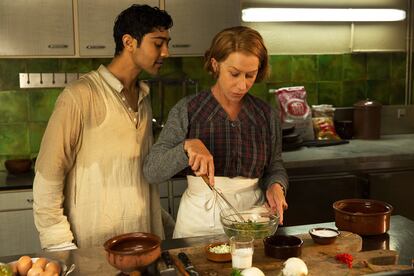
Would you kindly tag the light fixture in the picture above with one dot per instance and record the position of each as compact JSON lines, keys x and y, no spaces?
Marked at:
{"x":321,"y":15}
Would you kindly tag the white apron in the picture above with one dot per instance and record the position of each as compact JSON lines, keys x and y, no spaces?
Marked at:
{"x":199,"y":211}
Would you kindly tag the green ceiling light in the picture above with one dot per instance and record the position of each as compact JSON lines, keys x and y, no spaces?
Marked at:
{"x":321,"y":15}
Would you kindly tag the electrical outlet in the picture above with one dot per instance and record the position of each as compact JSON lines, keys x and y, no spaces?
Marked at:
{"x":400,"y":113}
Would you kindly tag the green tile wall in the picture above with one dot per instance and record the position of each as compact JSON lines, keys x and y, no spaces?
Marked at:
{"x":340,"y":80}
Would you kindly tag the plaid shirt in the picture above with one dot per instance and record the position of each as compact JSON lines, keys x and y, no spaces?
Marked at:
{"x":241,"y":147}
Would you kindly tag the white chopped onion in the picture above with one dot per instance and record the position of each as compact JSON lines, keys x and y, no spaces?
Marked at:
{"x":220,"y":249}
{"x":252,"y":271}
{"x":295,"y":267}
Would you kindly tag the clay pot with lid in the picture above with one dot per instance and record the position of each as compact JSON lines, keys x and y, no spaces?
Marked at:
{"x":367,"y":119}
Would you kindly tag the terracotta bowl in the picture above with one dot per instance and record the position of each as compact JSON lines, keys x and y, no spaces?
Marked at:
{"x":363,"y":216}
{"x":218,"y":257}
{"x":133,"y":251}
{"x":322,"y":235}
{"x":282,"y":246}
{"x":18,"y":166}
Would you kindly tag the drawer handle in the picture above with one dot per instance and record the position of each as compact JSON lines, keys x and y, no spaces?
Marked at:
{"x":57,"y":46}
{"x":181,"y":45}
{"x":95,"y":47}
{"x":30,"y":200}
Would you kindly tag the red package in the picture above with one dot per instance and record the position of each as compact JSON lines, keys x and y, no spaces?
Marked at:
{"x":295,"y":110}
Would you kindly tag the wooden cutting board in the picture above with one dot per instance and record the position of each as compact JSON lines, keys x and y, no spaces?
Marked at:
{"x":320,"y":259}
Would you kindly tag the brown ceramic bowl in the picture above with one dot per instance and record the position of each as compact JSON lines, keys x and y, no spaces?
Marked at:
{"x":322,"y":235}
{"x":282,"y":246}
{"x":18,"y":166}
{"x":218,"y":257}
{"x":133,"y":251}
{"x":363,"y":216}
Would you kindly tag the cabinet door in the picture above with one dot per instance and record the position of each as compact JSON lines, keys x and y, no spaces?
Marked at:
{"x":96,"y":22}
{"x":310,"y":198}
{"x":197,"y":21}
{"x":18,"y":234}
{"x":396,"y":188}
{"x":43,"y":27}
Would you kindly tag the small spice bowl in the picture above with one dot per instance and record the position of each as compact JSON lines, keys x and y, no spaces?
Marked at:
{"x":216,"y":256}
{"x":282,"y":246}
{"x":321,"y":235}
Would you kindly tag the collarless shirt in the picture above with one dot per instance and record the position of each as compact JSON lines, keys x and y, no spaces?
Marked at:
{"x":90,"y":162}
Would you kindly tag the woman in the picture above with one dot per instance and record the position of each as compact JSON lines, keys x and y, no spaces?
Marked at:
{"x":225,"y":133}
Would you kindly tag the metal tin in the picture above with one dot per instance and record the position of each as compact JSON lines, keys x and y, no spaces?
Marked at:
{"x":367,"y":119}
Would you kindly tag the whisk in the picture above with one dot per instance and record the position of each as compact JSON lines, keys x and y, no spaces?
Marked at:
{"x":227,"y":209}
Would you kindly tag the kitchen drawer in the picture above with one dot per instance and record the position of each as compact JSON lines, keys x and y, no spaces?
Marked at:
{"x":16,"y":200}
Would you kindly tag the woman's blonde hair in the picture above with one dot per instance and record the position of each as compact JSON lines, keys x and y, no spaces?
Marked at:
{"x":237,"y":39}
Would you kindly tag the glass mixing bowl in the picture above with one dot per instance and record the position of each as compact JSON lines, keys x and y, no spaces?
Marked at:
{"x":259,"y":223}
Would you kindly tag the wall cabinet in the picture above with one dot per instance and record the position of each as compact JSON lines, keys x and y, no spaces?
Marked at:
{"x":18,"y":234}
{"x":197,"y":21}
{"x":36,"y":28}
{"x":84,"y":28}
{"x":96,"y":20}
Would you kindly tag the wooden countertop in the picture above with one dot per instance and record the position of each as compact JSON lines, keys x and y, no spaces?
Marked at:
{"x":92,"y":261}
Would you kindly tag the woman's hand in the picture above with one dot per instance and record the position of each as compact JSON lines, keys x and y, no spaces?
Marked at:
{"x":199,"y":158}
{"x":276,"y":200}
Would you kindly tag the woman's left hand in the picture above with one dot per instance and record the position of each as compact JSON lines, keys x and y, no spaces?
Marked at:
{"x":276,"y":200}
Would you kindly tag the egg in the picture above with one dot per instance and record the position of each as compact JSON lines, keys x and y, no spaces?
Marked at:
{"x":34,"y":271}
{"x":41,"y":262}
{"x":53,"y":267}
{"x":48,"y":273}
{"x":23,"y":265}
{"x":13,"y":266}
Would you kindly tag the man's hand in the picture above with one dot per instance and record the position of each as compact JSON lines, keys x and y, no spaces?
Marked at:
{"x":199,"y":158}
{"x":276,"y":200}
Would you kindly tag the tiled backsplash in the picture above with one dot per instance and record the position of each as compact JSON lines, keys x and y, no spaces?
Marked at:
{"x":340,"y":80}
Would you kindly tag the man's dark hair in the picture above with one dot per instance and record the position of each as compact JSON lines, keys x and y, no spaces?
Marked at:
{"x":137,"y":21}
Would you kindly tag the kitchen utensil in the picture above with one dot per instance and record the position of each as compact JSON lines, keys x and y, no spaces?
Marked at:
{"x":282,"y":246}
{"x":259,"y":223}
{"x":324,"y":236}
{"x":225,"y":206}
{"x":362,"y":216}
{"x":132,"y":251}
{"x":71,"y":269}
{"x":170,"y":269}
{"x":367,"y":119}
{"x":187,"y":264}
{"x":179,"y":266}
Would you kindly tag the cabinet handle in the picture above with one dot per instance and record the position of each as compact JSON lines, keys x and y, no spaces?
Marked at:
{"x":57,"y":46}
{"x":95,"y":47}
{"x":181,"y":45}
{"x":30,"y":200}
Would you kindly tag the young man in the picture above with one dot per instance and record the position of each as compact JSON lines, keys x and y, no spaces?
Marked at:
{"x":89,"y":184}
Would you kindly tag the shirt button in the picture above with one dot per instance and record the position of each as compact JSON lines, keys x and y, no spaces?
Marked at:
{"x":130,"y":109}
{"x":233,"y":124}
{"x":123,"y":98}
{"x":135,"y":120}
